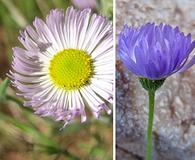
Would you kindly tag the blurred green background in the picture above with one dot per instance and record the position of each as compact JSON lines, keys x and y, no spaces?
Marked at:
{"x":25,"y":136}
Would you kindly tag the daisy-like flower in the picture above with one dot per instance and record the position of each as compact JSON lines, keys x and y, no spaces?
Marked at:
{"x":67,"y":64}
{"x":155,"y":51}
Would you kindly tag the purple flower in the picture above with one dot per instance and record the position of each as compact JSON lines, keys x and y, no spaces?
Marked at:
{"x":155,"y":51}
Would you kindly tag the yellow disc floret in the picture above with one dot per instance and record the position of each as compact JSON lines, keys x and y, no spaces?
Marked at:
{"x":71,"y":69}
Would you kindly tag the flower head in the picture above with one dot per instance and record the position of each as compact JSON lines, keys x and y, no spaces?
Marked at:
{"x":155,"y":51}
{"x":66,"y":64}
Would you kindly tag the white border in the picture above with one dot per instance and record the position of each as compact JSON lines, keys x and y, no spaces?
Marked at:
{"x":114,"y":82}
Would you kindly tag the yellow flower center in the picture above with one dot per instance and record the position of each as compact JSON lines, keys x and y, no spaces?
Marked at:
{"x":71,"y":69}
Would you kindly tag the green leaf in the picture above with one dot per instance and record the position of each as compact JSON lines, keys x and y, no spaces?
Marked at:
{"x":3,"y":87}
{"x":28,"y":130}
{"x":98,"y":152}
{"x":16,"y":15}
{"x":106,"y":8}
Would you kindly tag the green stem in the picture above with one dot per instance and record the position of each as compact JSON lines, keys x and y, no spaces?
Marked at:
{"x":18,"y":102}
{"x":150,"y":124}
{"x":11,"y":98}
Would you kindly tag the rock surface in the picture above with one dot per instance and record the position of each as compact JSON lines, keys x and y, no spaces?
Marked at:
{"x":174,"y":119}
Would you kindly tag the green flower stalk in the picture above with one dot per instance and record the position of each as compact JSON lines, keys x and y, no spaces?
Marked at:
{"x":151,"y":86}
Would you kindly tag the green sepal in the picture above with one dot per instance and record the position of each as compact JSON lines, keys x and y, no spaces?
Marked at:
{"x":151,"y":85}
